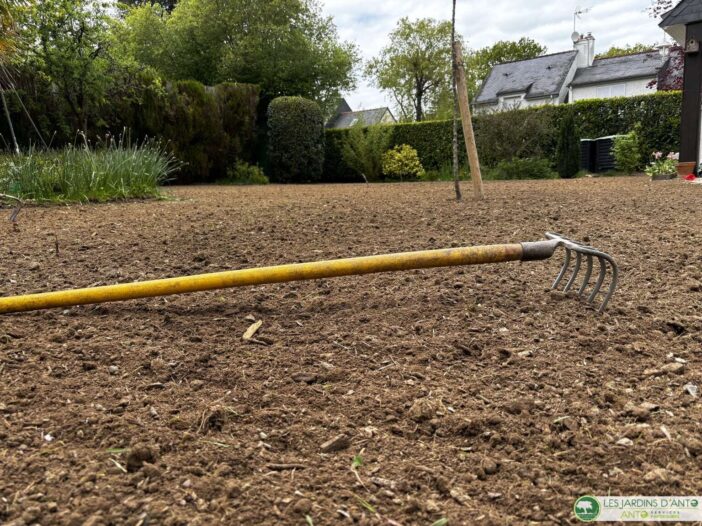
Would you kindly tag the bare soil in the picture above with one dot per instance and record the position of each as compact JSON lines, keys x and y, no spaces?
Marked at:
{"x":471,"y":394}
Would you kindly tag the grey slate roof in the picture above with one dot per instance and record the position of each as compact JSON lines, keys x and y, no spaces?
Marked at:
{"x":640,"y":65}
{"x":365,"y":117}
{"x":685,"y":12}
{"x":538,"y":77}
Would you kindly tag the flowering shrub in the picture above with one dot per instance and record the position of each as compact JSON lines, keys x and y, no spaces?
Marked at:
{"x":663,"y":165}
{"x":402,"y":162}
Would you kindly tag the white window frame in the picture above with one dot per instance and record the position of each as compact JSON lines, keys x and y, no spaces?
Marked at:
{"x":609,"y":91}
{"x":510,"y":102}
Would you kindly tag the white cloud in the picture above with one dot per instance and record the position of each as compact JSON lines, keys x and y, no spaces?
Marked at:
{"x":368,"y":23}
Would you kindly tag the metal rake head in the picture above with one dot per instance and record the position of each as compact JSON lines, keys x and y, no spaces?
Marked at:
{"x":589,"y":254}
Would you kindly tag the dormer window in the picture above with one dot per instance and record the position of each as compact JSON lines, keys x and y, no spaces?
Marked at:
{"x":512,"y":102}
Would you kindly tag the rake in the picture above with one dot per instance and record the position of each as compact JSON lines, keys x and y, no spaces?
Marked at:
{"x":532,"y":251}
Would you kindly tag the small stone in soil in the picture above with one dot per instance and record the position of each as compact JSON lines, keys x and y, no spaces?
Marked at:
{"x":657,"y":474}
{"x":303,"y":506}
{"x":338,"y":443}
{"x":673,"y":368}
{"x":305,"y":378}
{"x":425,"y":409}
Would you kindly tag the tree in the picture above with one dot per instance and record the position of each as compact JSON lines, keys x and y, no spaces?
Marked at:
{"x":454,"y":138}
{"x":7,"y":25}
{"x":415,"y":67}
{"x":168,"y":5}
{"x":660,"y":7}
{"x":285,"y":46}
{"x":68,"y":41}
{"x":479,"y":63}
{"x":615,"y":51}
{"x":672,"y":74}
{"x":568,"y":148}
{"x":8,"y":12}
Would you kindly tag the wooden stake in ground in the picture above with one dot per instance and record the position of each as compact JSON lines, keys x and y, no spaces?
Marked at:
{"x":456,"y":168}
{"x":467,"y":120}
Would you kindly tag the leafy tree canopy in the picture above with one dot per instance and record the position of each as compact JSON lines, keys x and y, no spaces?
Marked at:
{"x":285,"y":46}
{"x":415,"y":67}
{"x":8,"y":13}
{"x":68,"y":41}
{"x":169,"y":5}
{"x":660,"y":7}
{"x":628,"y":49}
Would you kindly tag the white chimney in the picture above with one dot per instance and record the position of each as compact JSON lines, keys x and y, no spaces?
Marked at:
{"x":585,"y":46}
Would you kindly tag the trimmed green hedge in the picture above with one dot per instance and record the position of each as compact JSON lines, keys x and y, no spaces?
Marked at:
{"x":529,"y":133}
{"x":207,"y":129}
{"x":296,"y":140}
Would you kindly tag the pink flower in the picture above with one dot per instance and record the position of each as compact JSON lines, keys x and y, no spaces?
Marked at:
{"x":657,"y":155}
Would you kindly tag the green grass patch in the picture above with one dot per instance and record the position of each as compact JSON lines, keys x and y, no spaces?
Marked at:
{"x":445,"y":173}
{"x":82,"y":174}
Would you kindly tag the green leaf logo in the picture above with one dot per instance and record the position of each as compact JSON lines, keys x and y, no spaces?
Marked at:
{"x":587,"y":508}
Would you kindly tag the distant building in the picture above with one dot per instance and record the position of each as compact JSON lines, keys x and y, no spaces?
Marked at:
{"x":570,"y":76}
{"x":345,"y":117}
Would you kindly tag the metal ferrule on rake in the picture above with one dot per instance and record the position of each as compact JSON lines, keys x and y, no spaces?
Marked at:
{"x":545,"y":249}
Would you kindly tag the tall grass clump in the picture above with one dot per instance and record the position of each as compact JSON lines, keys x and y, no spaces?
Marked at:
{"x":80,"y":174}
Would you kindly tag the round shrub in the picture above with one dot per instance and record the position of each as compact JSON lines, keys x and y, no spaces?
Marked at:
{"x":402,"y":162}
{"x":296,"y":140}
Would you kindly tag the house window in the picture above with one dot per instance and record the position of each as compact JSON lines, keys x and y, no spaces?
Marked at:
{"x":512,"y":102}
{"x":354,"y":122}
{"x":613,"y":90}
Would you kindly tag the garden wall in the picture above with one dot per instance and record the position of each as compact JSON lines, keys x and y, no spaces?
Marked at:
{"x":529,"y":133}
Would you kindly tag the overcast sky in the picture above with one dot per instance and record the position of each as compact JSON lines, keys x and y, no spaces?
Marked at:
{"x":483,"y":22}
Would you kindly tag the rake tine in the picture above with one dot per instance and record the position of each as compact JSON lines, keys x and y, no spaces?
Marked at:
{"x":600,"y":279}
{"x":576,"y":270}
{"x":562,"y":274}
{"x":588,"y":275}
{"x":612,"y":286}
{"x":583,"y":250}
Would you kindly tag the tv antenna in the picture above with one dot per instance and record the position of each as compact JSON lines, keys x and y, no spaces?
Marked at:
{"x":577,"y":15}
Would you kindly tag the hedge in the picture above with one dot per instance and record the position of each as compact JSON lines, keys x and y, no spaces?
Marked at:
{"x":296,"y":140}
{"x":529,"y":133}
{"x":207,"y":128}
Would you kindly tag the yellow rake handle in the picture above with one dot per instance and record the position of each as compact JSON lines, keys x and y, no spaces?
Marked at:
{"x":259,"y":276}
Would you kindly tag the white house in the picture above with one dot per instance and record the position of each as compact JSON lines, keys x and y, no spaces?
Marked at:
{"x":570,"y":76}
